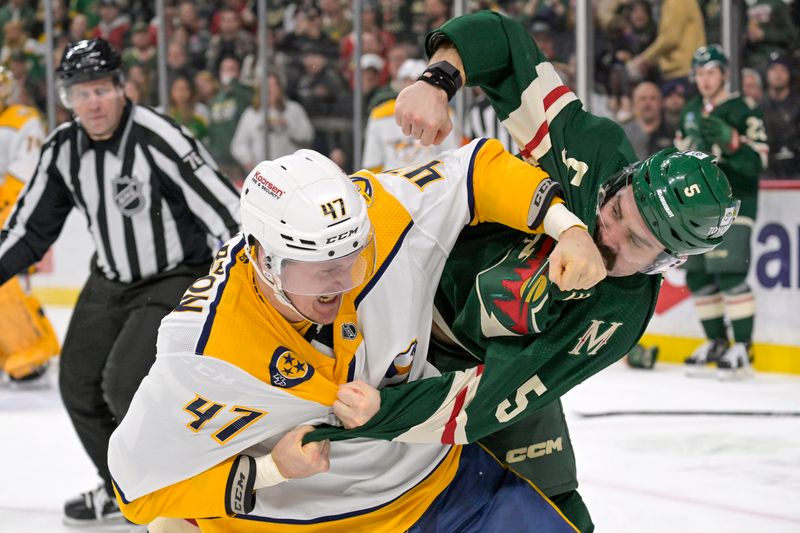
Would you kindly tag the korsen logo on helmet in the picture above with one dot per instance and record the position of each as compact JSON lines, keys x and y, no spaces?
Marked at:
{"x":268,"y":187}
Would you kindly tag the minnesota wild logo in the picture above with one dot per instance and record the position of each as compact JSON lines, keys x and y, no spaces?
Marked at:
{"x":515,"y":289}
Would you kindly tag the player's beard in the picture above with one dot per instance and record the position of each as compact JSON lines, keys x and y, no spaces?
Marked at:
{"x":609,"y":255}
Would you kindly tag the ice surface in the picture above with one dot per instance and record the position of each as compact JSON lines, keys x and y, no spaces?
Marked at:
{"x":650,"y":474}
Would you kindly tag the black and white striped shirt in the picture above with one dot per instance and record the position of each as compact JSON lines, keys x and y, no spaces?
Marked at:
{"x":482,"y":122}
{"x":151,"y":194}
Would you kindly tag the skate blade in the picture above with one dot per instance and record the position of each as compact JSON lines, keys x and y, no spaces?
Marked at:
{"x":735,"y":374}
{"x":117,"y":524}
{"x":700,"y":371}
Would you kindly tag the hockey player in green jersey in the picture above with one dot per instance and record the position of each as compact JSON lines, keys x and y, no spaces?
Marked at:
{"x":723,"y":124}
{"x":495,"y":304}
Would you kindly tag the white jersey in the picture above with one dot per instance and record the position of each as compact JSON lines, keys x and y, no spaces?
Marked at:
{"x":232,"y":376}
{"x":385,"y":146}
{"x":21,"y":137}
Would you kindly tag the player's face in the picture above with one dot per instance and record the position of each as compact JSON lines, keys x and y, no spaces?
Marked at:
{"x":326,"y":282}
{"x":98,"y":104}
{"x":624,"y":241}
{"x":710,"y":81}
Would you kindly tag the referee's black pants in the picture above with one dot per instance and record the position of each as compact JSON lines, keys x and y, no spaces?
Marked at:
{"x":109,"y":348}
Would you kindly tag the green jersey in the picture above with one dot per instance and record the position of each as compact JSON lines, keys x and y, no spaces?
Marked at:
{"x":494,"y":298}
{"x":743,"y":166}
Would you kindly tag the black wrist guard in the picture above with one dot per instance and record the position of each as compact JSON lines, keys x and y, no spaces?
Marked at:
{"x":444,"y":76}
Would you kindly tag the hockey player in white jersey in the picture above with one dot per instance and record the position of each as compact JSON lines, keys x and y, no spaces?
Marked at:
{"x":27,"y":340}
{"x":329,"y":283}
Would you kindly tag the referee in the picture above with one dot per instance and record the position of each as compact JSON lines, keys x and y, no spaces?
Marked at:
{"x":156,"y":207}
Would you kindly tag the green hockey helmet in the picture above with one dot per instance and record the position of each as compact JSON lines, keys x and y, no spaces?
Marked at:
{"x":685,"y":200}
{"x":710,"y":56}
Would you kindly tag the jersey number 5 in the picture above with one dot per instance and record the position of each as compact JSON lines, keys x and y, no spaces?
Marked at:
{"x":503,"y":414}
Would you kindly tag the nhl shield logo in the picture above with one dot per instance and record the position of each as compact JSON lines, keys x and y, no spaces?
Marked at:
{"x":128,"y":195}
{"x":349,"y":331}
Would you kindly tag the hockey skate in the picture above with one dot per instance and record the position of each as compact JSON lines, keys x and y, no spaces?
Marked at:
{"x":708,"y":353}
{"x":99,"y":511}
{"x":736,"y":362}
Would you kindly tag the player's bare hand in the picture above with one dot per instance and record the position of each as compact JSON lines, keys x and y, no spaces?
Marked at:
{"x":295,"y":460}
{"x":421,"y":111}
{"x":357,"y":404}
{"x":576,"y":263}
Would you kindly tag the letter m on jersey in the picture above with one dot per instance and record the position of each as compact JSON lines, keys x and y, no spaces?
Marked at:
{"x":593,"y":339}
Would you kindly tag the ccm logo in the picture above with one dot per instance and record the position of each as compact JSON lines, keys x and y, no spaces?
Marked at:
{"x":238,"y":497}
{"x":267,"y":185}
{"x":341,"y":236}
{"x":539,"y":449}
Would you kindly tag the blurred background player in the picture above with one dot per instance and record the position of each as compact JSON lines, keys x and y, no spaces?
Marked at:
{"x":385,"y":145}
{"x":722,"y":123}
{"x":27,"y":340}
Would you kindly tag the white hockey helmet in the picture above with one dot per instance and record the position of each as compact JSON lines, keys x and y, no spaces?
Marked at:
{"x":311,"y":224}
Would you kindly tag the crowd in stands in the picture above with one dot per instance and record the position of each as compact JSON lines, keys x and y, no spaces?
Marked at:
{"x":642,"y":61}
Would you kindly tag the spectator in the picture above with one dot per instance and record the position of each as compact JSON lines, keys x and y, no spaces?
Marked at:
{"x":18,"y":47}
{"x":647,"y":131}
{"x":769,"y":29}
{"x":372,"y":68}
{"x":206,"y":86}
{"x":674,"y":95}
{"x":752,"y":86}
{"x":781,"y":108}
{"x":437,"y":12}
{"x":231,"y":40}
{"x":133,"y":91}
{"x":19,"y":10}
{"x":142,"y":77}
{"x":398,"y":54}
{"x":199,"y":37}
{"x":27,"y":91}
{"x":385,"y":145}
{"x":78,"y":28}
{"x":374,"y":40}
{"x":241,"y":8}
{"x":289,"y":128}
{"x":712,"y":15}
{"x":319,"y":87}
{"x":680,"y":33}
{"x":184,"y":109}
{"x":308,"y":35}
{"x":178,"y":62}
{"x":226,"y":109}
{"x":643,"y":29}
{"x":335,"y":22}
{"x":113,"y":25}
{"x":141,"y":52}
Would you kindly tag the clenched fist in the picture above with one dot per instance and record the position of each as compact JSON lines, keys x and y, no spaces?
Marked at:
{"x":357,"y":403}
{"x":421,"y":111}
{"x":295,"y":460}
{"x":576,"y":263}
